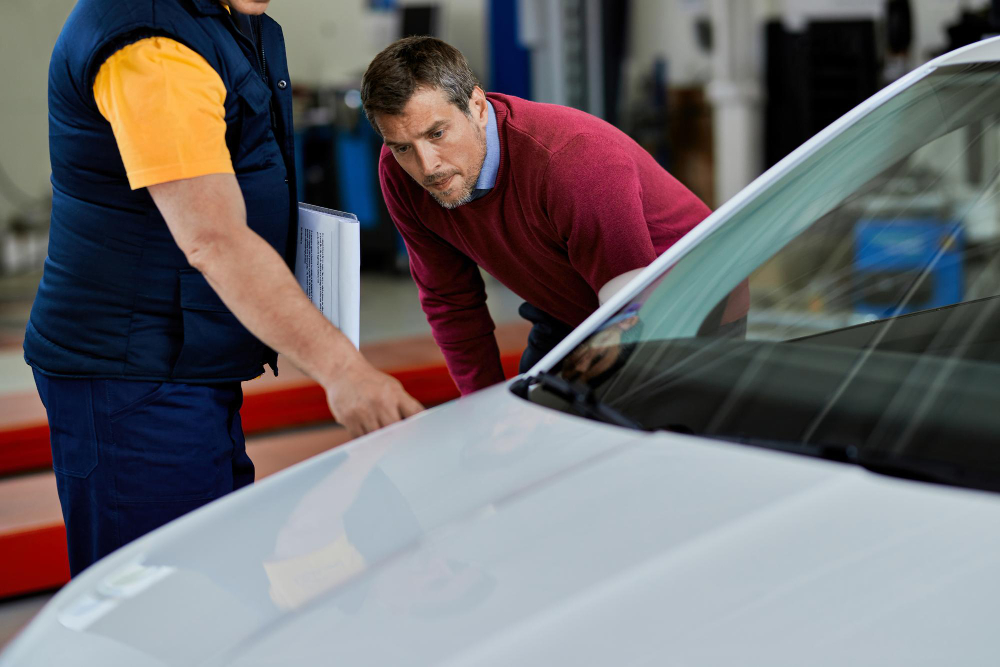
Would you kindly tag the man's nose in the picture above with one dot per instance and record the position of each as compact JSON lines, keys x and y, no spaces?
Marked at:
{"x":427,"y":158}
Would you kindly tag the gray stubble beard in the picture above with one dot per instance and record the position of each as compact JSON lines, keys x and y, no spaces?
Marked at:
{"x":470,"y":185}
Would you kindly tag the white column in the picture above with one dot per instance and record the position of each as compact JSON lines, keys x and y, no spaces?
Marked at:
{"x":735,"y":93}
{"x":540,"y":28}
{"x":594,"y":52}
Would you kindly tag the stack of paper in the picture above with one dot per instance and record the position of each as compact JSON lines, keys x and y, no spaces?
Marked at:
{"x":328,"y":265}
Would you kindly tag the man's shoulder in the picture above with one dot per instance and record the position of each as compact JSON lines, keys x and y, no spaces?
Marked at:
{"x":134,"y":14}
{"x":106,"y":15}
{"x":551,"y":128}
{"x":270,"y":23}
{"x":110,"y":10}
{"x":92,"y":30}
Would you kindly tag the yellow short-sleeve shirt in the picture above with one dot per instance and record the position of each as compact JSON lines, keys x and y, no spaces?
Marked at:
{"x":166,"y":106}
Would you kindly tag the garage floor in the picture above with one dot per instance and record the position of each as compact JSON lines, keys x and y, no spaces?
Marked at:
{"x":15,"y":614}
{"x":390,"y":310}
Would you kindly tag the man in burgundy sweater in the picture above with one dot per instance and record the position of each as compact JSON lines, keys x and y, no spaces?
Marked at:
{"x":559,"y":206}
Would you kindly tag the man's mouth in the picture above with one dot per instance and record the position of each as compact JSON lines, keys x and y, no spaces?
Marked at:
{"x":441,"y":185}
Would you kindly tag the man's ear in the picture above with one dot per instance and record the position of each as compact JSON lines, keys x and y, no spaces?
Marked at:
{"x":477,"y":107}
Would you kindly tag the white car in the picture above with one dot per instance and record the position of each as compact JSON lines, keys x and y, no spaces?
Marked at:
{"x":779,"y":445}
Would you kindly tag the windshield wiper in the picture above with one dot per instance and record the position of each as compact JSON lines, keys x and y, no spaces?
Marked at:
{"x":903,"y":467}
{"x":580,"y":397}
{"x":839,"y":453}
{"x":937,"y":472}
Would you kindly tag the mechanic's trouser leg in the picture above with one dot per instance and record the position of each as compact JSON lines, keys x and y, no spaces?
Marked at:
{"x":130,"y":456}
{"x":546,"y":332}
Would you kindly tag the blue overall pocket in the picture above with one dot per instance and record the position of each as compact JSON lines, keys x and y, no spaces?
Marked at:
{"x":216,"y":345}
{"x":69,"y":404}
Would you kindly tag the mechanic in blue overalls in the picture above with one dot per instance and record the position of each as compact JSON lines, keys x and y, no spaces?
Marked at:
{"x":167,"y":281}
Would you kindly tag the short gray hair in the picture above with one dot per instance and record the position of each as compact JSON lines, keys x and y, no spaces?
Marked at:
{"x":411,"y":63}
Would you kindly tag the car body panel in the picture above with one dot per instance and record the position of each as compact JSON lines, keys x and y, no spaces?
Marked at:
{"x":535,"y":537}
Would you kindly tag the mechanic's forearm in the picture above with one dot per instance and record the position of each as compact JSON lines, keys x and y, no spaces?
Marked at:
{"x":254,"y":282}
{"x":207,"y":218}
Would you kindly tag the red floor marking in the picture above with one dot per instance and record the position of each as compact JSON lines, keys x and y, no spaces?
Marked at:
{"x":24,"y":448}
{"x":33,"y":560}
{"x":27,"y":447}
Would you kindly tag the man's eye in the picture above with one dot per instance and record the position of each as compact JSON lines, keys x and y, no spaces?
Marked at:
{"x":438,"y":134}
{"x":401,"y":149}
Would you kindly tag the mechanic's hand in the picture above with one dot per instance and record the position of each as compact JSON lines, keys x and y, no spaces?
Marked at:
{"x":363,"y":399}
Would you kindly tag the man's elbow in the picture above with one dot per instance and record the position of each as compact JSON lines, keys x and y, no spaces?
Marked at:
{"x":615,"y":285}
{"x":203,"y":251}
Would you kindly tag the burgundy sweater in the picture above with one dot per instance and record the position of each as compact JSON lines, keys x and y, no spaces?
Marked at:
{"x":576,"y":203}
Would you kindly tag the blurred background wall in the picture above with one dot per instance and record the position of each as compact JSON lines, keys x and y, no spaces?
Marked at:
{"x":704,"y":85}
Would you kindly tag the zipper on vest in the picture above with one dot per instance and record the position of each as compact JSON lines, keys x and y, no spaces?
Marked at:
{"x":258,"y":38}
{"x":256,"y":27}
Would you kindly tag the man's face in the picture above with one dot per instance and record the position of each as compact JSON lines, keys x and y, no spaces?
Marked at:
{"x":252,"y":7}
{"x":440,"y":147}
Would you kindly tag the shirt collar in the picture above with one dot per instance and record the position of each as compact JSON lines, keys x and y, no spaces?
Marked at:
{"x":491,"y":164}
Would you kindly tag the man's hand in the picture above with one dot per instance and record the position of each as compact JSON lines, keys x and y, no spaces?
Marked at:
{"x":598,"y":353}
{"x":364,"y":399}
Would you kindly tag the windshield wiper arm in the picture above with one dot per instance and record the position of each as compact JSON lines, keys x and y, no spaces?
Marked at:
{"x":839,"y":453}
{"x":934,"y":471}
{"x":580,"y":397}
{"x":903,"y":467}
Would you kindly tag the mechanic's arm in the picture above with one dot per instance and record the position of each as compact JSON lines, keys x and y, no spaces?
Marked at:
{"x":184,"y":163}
{"x":207,"y":218}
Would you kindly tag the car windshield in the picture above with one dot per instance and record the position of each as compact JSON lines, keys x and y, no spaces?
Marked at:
{"x":849,"y":310}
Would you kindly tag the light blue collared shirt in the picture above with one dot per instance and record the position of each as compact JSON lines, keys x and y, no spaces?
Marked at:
{"x":491,"y":164}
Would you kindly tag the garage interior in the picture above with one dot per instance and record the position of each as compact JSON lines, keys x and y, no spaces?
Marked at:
{"x":716,"y":90}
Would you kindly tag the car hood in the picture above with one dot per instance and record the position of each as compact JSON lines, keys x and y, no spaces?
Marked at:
{"x":491,"y":531}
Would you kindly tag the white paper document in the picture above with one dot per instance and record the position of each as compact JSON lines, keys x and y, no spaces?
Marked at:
{"x":328,"y":265}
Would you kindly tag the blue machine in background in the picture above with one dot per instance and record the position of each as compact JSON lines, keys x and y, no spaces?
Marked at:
{"x":919,"y":260}
{"x":357,"y":156}
{"x":510,"y":61}
{"x":338,"y":168}
{"x":337,"y":163}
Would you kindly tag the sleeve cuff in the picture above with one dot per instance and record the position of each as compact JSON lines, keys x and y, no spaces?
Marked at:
{"x":146,"y":177}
